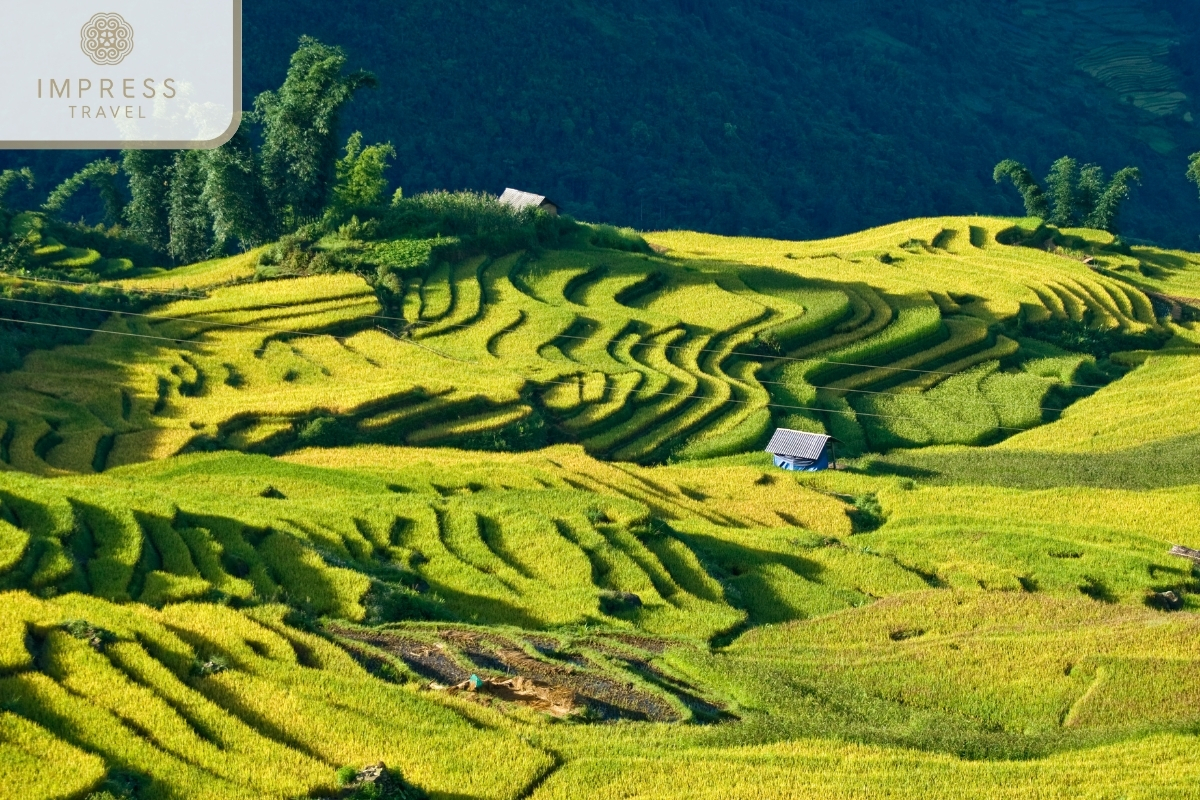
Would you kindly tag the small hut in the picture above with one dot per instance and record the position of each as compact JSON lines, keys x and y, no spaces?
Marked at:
{"x":798,"y":451}
{"x":523,"y":200}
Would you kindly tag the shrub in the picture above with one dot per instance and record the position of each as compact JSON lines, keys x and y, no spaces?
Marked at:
{"x":323,"y":432}
{"x":613,"y":238}
{"x":868,"y":513}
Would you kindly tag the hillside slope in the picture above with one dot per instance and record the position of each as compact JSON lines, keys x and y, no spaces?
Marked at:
{"x":940,"y":331}
{"x":719,"y":615}
{"x":261,"y":530}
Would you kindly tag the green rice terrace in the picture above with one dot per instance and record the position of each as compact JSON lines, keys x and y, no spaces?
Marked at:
{"x":499,"y":518}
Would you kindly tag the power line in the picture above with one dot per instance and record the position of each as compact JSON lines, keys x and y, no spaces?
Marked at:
{"x":194,"y":320}
{"x":727,"y":354}
{"x":97,"y":285}
{"x":810,"y":409}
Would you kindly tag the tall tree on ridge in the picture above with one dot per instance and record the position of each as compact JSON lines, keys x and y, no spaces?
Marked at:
{"x":234,"y":196}
{"x":191,"y":224}
{"x":1060,"y":185}
{"x":1036,"y":204}
{"x":1076,"y":195}
{"x":300,"y":149}
{"x":1104,"y":209}
{"x":148,"y":212}
{"x":1088,"y":190}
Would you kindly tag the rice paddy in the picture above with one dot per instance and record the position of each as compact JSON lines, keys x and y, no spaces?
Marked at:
{"x":883,"y":338}
{"x":513,"y":535}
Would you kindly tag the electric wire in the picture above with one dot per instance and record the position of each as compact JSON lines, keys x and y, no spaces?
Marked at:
{"x":424,"y":323}
{"x":730,"y":380}
{"x":728,"y":354}
{"x":809,"y":409}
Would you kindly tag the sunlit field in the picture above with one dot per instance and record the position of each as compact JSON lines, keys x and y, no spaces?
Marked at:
{"x":508,"y":526}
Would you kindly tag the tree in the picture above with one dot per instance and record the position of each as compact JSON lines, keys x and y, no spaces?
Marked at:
{"x":1036,"y":204}
{"x":233,"y":194}
{"x":148,"y":212}
{"x":1061,"y":186}
{"x":1194,"y":169}
{"x":360,"y":180}
{"x":1074,"y":195}
{"x":101,"y":174}
{"x":300,"y":121}
{"x":1088,"y":190}
{"x":190,"y":223}
{"x":10,"y":178}
{"x":10,"y":252}
{"x":1104,"y":211}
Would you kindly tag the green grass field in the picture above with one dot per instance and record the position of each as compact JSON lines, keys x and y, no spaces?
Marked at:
{"x":252,"y":535}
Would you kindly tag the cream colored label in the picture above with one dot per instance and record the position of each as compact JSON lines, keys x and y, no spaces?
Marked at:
{"x":119,"y":73}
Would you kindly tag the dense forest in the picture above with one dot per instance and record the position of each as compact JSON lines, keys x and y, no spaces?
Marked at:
{"x":762,"y":117}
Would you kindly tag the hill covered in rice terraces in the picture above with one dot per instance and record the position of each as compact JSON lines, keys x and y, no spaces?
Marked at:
{"x":499,"y":517}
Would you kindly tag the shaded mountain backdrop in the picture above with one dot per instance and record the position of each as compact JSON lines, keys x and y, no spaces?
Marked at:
{"x":765,"y":117}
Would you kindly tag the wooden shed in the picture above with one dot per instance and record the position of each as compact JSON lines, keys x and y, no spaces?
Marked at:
{"x":523,"y":200}
{"x":798,"y":451}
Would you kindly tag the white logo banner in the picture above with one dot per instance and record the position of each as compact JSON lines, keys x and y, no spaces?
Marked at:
{"x":100,"y":74}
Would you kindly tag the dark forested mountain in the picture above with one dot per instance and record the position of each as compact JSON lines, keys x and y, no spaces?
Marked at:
{"x":772,"y":117}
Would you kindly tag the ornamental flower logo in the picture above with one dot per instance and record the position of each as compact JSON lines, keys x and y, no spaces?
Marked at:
{"x":106,"y":39}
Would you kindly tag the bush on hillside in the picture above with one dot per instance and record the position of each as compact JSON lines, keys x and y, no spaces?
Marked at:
{"x":474,"y":217}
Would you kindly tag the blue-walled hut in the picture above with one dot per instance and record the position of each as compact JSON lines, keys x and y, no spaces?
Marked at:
{"x":798,"y":451}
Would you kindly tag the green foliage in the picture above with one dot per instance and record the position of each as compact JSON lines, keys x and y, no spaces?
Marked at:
{"x":1088,"y":191}
{"x":1194,"y":169}
{"x":360,"y":180}
{"x":149,"y":173}
{"x":95,"y":636}
{"x":613,"y":238}
{"x":868,"y":514}
{"x":15,"y":247}
{"x":190,"y":204}
{"x":189,"y":215}
{"x":346,"y":775}
{"x":1074,"y":195}
{"x":475,"y":217}
{"x":1061,"y":188}
{"x":234,"y":196}
{"x":1078,"y":337}
{"x":1036,"y":203}
{"x":101,"y":174}
{"x":119,"y":785}
{"x":10,"y":178}
{"x":300,"y":124}
{"x":1103,"y":215}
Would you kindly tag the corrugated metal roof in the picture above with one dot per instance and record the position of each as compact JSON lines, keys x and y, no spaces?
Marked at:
{"x":798,"y":444}
{"x":519,"y":200}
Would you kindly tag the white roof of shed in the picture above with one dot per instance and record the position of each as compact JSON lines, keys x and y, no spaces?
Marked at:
{"x":798,"y":444}
{"x":519,"y":200}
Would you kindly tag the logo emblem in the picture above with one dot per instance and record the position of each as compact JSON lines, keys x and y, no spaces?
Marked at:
{"x":106,"y":39}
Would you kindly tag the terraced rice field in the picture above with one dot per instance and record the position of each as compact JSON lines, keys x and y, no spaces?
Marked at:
{"x":268,"y":529}
{"x":155,"y":624}
{"x":901,"y":336}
